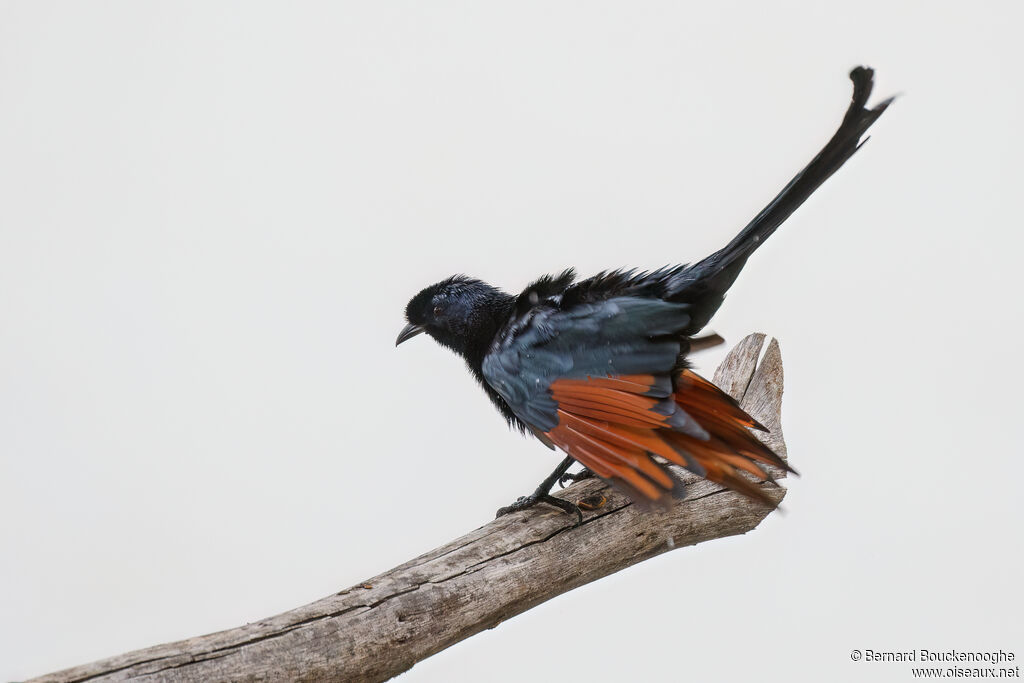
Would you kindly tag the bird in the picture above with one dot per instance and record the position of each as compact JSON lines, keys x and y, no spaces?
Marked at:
{"x":598,"y":368}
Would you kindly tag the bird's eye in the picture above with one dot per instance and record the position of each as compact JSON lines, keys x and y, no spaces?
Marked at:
{"x":438,"y":311}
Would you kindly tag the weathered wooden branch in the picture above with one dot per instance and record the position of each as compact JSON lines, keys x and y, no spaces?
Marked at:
{"x":382,"y":627}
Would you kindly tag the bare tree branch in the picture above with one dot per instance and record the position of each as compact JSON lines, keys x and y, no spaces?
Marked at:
{"x":380,"y":628}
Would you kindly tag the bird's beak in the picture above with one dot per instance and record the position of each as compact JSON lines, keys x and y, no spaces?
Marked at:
{"x":408,"y":332}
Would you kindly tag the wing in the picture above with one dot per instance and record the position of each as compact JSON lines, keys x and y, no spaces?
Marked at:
{"x":601,"y":381}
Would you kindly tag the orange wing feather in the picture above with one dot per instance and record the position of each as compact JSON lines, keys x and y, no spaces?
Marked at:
{"x":618,"y":428}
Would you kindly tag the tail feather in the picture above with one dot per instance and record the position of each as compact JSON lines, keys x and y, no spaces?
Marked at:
{"x":705,"y":283}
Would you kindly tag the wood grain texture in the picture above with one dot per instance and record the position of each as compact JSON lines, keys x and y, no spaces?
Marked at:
{"x":383,"y":626}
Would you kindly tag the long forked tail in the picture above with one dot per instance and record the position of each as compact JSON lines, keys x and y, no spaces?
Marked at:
{"x":705,"y":283}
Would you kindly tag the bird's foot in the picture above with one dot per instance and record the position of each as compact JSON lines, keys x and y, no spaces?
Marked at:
{"x":526,"y":502}
{"x":578,"y":476}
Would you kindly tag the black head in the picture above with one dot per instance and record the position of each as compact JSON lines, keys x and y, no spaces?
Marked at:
{"x":461,"y":313}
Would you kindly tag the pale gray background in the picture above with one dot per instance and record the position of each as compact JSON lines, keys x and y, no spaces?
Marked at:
{"x":212,"y":215}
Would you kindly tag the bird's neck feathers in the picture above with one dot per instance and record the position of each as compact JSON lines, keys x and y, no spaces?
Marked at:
{"x":484,"y":311}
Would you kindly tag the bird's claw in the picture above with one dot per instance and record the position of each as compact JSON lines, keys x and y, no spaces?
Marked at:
{"x":574,"y":477}
{"x":522,"y":502}
{"x":526,"y":502}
